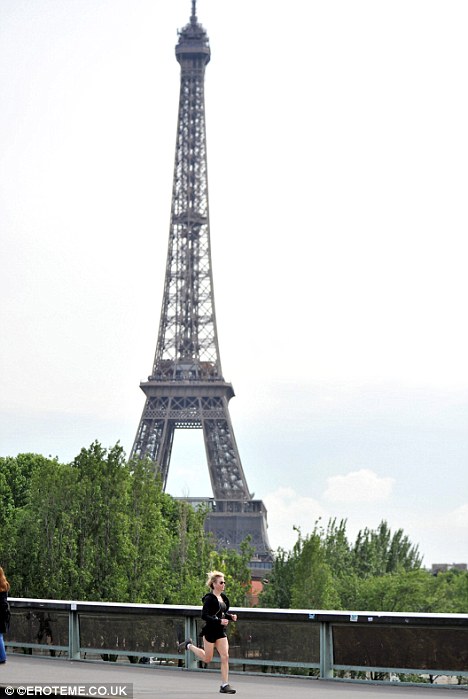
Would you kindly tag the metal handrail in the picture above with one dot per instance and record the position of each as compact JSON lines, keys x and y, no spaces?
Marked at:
{"x":336,"y":643}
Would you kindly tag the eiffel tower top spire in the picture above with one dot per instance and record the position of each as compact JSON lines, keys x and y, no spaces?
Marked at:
{"x":187,"y":341}
{"x":193,"y":39}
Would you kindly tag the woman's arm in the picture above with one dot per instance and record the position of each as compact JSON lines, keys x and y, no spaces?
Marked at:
{"x":210,"y":608}
{"x":227,"y":613}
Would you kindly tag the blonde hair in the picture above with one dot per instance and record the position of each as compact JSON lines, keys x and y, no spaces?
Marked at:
{"x":4,"y":584}
{"x":211,"y":577}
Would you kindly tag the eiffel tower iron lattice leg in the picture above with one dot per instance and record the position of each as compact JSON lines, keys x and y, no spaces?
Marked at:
{"x":205,"y":407}
{"x":186,"y":389}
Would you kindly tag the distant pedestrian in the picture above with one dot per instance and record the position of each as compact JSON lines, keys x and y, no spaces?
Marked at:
{"x":216,"y":614}
{"x":4,"y":613}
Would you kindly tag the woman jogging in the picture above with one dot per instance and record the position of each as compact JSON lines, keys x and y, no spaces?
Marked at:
{"x":216,"y":614}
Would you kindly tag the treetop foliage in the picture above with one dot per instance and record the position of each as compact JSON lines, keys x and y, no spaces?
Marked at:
{"x":101,"y":528}
{"x":380,"y":571}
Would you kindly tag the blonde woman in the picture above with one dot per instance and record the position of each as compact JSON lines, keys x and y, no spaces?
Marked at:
{"x":4,"y":613}
{"x":215,"y":614}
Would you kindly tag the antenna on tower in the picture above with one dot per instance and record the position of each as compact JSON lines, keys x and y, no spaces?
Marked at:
{"x":193,"y":18}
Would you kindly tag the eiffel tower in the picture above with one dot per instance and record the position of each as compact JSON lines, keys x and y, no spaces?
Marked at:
{"x":186,"y":389}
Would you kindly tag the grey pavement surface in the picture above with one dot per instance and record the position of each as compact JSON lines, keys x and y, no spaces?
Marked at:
{"x":174,"y":683}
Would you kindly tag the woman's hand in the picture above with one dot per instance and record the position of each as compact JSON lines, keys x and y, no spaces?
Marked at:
{"x":224,"y":622}
{"x":234,"y":617}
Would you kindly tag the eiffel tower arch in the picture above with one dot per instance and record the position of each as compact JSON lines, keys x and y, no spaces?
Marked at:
{"x":186,"y":388}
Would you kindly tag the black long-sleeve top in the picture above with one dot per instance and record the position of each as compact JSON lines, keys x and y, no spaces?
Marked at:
{"x":212,"y":611}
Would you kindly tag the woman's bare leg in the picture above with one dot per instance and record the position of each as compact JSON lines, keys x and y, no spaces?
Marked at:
{"x":222,"y":646}
{"x":206,"y":653}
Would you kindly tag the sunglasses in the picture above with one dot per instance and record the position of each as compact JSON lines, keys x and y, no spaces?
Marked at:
{"x":221,"y":582}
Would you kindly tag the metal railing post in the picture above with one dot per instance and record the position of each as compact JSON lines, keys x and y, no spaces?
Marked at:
{"x":326,"y":651}
{"x":191,"y":660}
{"x":73,"y":633}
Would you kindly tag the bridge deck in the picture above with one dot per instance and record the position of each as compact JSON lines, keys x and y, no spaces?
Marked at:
{"x":173,"y":683}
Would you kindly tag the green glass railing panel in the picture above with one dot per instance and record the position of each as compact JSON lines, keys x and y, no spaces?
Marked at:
{"x":286,"y":641}
{"x":38,"y":626}
{"x":131,"y":633}
{"x":400,"y":647}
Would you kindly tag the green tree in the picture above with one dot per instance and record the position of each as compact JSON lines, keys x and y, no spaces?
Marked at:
{"x":302,"y":578}
{"x":337,"y":550}
{"x":43,"y":541}
{"x":99,"y":528}
{"x":449,"y":592}
{"x":325,"y":571}
{"x":18,"y":472}
{"x":148,"y":571}
{"x":276,"y":593}
{"x":101,"y":516}
{"x":377,"y":552}
{"x":7,"y":507}
{"x":190,"y":554}
{"x":313,"y":584}
{"x":416,"y":591}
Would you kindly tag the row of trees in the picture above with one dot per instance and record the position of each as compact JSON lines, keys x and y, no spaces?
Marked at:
{"x":380,"y":571}
{"x":102,"y":529}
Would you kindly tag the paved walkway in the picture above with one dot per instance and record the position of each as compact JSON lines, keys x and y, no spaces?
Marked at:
{"x":173,"y":683}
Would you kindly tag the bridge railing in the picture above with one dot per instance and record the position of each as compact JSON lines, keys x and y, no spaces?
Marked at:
{"x":329,"y":644}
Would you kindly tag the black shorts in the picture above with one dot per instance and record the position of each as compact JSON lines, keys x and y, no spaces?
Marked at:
{"x":213,"y":633}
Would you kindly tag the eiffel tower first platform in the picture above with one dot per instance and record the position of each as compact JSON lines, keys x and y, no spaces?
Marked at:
{"x":186,"y":389}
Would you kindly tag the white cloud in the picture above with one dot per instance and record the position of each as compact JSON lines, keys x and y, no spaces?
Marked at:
{"x":459,"y":518}
{"x":454,"y":521}
{"x":442,"y":535}
{"x":358,"y":486}
{"x":288,"y":509}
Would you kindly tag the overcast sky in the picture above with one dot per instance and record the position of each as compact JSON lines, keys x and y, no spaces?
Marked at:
{"x":338,"y":177}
